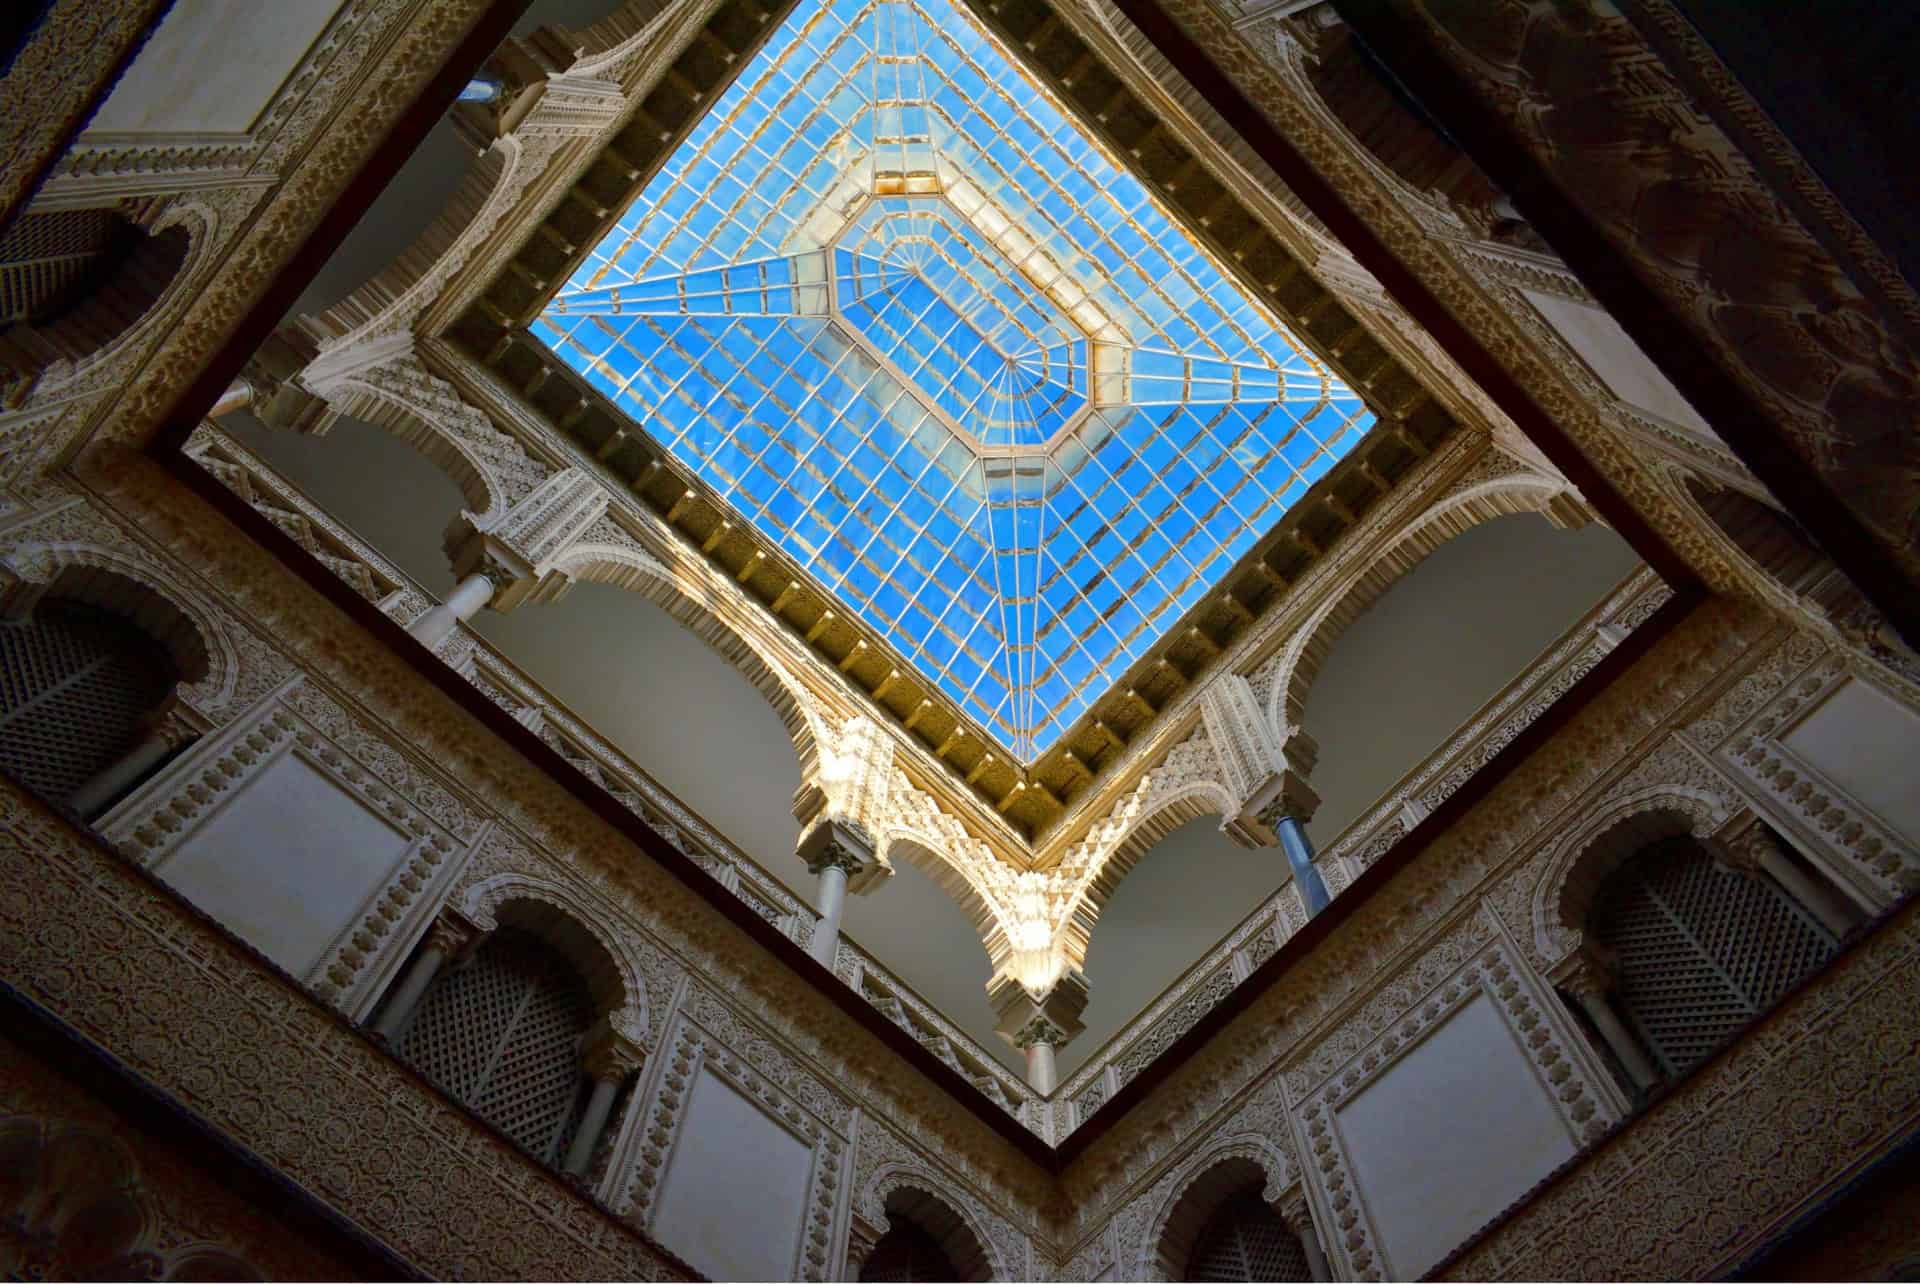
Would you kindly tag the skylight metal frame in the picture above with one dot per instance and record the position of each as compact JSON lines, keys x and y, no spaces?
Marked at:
{"x":1049,"y":644}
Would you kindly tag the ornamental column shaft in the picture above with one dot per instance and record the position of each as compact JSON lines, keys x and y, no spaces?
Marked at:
{"x":610,"y":1057}
{"x":1294,"y":1212}
{"x":471,"y":594}
{"x":449,"y":935}
{"x":1589,"y":979}
{"x":830,"y":901}
{"x":839,"y":853}
{"x":113,"y":780}
{"x":1299,"y":850}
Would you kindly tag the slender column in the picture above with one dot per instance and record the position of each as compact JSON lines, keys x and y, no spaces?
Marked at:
{"x":830,"y":901}
{"x":446,"y":938}
{"x":240,"y":394}
{"x":471,"y":594}
{"x":587,"y":1137}
{"x":610,"y":1058}
{"x":1299,"y":850}
{"x":835,"y":851}
{"x":1748,"y":843}
{"x":1039,"y":1023}
{"x":1037,"y":1040}
{"x":107,"y":785}
{"x":1589,"y":980}
{"x":1281,"y":807}
{"x":1294,"y":1212}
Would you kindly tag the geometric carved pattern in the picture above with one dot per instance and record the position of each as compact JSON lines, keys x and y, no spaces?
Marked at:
{"x":500,"y":1034}
{"x":1246,"y":1241}
{"x":74,"y":685}
{"x":1703,"y":950}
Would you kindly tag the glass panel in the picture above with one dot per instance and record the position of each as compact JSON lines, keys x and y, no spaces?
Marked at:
{"x":934,"y":342}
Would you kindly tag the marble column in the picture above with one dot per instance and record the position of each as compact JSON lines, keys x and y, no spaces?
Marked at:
{"x":447,"y":937}
{"x":1299,"y":850}
{"x":107,"y":785}
{"x":240,"y":394}
{"x":1589,"y":979}
{"x":471,"y":594}
{"x":838,"y":853}
{"x":1039,"y":1023}
{"x":609,"y":1059}
{"x":1037,"y":1040}
{"x":1298,"y":1216}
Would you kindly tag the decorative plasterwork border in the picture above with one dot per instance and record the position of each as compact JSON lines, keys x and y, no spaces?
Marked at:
{"x":151,"y":824}
{"x":1342,"y":1066}
{"x":1761,"y":1133}
{"x":213,"y":1027}
{"x":705,"y":1036}
{"x":1745,"y":738}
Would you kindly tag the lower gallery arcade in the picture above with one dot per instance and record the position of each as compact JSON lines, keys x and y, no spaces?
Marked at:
{"x":951,"y":640}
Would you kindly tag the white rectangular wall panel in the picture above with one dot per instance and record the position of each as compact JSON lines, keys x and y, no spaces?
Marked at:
{"x":1448,"y":1136}
{"x":1616,"y":360}
{"x":735,"y":1192}
{"x":288,"y":862}
{"x":212,"y":67}
{"x":1868,"y":744}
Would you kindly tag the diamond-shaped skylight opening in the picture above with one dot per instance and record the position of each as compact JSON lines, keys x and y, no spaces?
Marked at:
{"x":917,"y":327}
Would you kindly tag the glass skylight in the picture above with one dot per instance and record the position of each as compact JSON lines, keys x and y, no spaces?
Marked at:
{"x":930,"y":339}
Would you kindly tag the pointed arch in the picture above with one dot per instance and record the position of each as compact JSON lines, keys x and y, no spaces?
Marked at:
{"x":190,"y":629}
{"x":1581,"y":861}
{"x":907,"y":1191}
{"x":579,"y":930}
{"x":1300,"y":663}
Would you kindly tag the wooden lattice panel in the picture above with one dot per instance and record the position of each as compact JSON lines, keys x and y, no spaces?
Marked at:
{"x":44,"y":256}
{"x":908,"y":1253}
{"x":1703,"y":950}
{"x":1247,"y":1241}
{"x":74,"y":685}
{"x":502,"y":1034}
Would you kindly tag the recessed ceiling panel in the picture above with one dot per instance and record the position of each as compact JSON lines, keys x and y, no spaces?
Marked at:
{"x":922,"y":332}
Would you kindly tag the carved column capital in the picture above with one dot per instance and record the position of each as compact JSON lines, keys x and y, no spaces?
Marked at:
{"x":1284,"y":794}
{"x":519,"y":551}
{"x":611,"y":1056}
{"x":1743,"y":842}
{"x":1295,"y":1212}
{"x":1589,"y":971}
{"x":862,"y":1237}
{"x":1051,"y":1018}
{"x":453,"y":934}
{"x":845,"y":845}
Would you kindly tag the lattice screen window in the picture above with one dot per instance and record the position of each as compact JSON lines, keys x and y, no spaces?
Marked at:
{"x":75,"y":683}
{"x":1703,"y":950}
{"x":502,"y":1034}
{"x":908,"y":1252}
{"x":46,"y":258}
{"x":1246,"y":1241}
